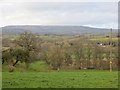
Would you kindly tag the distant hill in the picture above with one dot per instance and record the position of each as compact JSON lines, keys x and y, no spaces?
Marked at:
{"x":59,"y":30}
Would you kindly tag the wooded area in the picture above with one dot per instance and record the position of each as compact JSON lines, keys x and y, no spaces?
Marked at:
{"x":74,"y":53}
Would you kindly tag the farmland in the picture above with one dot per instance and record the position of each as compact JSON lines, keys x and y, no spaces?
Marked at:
{"x":62,"y":79}
{"x":59,"y":61}
{"x":66,"y":45}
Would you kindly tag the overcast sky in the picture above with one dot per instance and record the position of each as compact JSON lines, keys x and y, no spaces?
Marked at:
{"x":95,"y":14}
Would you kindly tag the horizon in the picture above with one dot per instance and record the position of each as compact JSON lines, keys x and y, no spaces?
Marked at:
{"x":60,"y":25}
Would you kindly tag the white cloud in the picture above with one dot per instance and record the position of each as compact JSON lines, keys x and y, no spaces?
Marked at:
{"x":90,"y":14}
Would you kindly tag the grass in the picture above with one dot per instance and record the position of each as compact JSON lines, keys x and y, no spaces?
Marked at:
{"x":33,"y":67}
{"x":62,"y":79}
{"x":103,"y":39}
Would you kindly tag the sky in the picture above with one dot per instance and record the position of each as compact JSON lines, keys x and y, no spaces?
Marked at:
{"x":93,"y":14}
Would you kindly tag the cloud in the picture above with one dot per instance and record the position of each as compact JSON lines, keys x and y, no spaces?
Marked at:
{"x":95,"y":14}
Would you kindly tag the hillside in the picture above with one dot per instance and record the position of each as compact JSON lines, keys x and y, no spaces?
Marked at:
{"x":59,"y":30}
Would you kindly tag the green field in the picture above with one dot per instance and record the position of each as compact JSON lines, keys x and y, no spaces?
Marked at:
{"x":103,"y":39}
{"x":62,"y":79}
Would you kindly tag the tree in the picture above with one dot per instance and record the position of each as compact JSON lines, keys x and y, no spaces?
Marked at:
{"x":67,"y":51}
{"x":7,"y":56}
{"x":78,"y":52}
{"x":12,"y":56}
{"x":29,"y":41}
{"x":20,"y":55}
{"x":89,"y":53}
{"x":30,"y":46}
{"x":55,"y":56}
{"x":26,"y":50}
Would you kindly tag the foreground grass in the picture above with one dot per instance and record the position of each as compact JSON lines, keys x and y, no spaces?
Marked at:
{"x":62,"y":79}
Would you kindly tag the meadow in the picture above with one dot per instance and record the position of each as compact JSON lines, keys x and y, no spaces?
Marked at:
{"x":62,"y":79}
{"x":38,"y":75}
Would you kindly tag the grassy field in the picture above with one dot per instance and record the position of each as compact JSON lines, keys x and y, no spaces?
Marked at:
{"x":103,"y":39}
{"x":62,"y":79}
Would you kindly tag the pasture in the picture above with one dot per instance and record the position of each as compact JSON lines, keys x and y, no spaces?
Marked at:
{"x":31,"y":61}
{"x":61,"y":79}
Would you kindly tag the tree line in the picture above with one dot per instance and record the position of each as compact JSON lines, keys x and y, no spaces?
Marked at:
{"x":76,"y":53}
